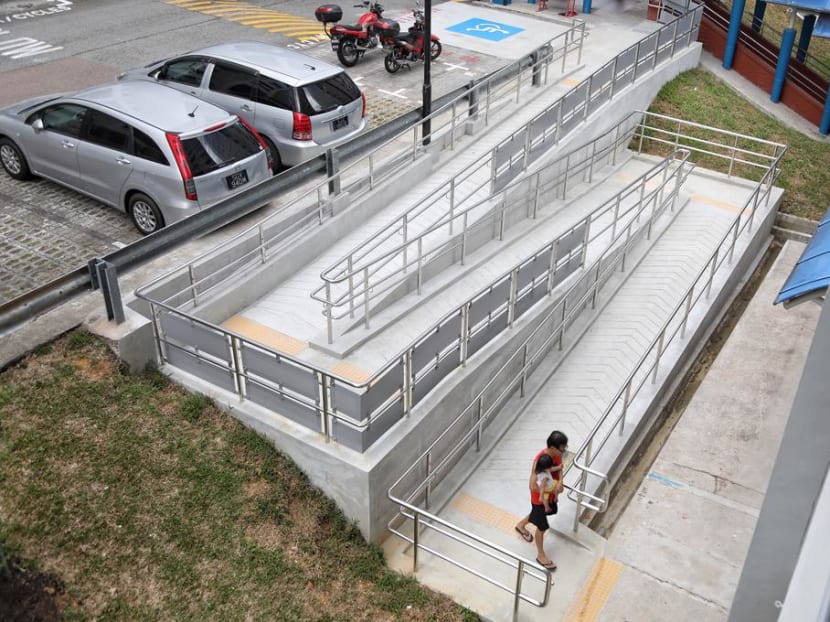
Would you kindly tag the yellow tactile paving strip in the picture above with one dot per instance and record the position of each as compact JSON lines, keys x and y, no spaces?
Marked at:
{"x":265,"y":335}
{"x":706,"y":200}
{"x":485,"y":513}
{"x":346,"y":370}
{"x":593,"y":595}
{"x":491,"y":515}
{"x":570,"y":82}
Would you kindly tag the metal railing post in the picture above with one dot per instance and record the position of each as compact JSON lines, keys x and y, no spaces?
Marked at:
{"x":626,"y":398}
{"x":511,"y":301}
{"x":689,"y":297}
{"x":428,"y":490}
{"x":329,"y":324}
{"x":405,"y":242}
{"x":464,"y":238}
{"x":416,"y":526}
{"x":325,"y":389}
{"x":479,"y":413}
{"x":519,"y":576}
{"x":350,"y":268}
{"x":366,"y":296}
{"x":712,"y":273}
{"x":419,"y":275}
{"x":659,"y":355}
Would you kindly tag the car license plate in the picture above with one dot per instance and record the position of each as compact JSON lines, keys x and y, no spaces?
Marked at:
{"x":335,"y":44}
{"x":237,"y":179}
{"x":338,"y":123}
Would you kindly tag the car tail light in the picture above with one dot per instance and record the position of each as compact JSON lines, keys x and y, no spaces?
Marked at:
{"x":302,"y":127}
{"x":184,"y":168}
{"x":363,"y":97}
{"x":262,"y":143}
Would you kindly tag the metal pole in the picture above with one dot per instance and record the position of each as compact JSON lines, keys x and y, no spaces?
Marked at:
{"x":426,"y":108}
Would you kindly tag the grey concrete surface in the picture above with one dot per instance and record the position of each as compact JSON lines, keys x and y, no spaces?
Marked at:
{"x":685,"y":534}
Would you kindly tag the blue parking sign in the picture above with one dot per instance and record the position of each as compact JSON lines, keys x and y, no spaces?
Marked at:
{"x":486,"y":29}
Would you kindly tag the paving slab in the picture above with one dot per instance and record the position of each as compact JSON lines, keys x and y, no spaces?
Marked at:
{"x":685,"y":533}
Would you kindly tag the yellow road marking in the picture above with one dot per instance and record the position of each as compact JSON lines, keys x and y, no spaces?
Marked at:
{"x":298,"y":33}
{"x":265,"y":335}
{"x":247,"y":14}
{"x":594,"y":593}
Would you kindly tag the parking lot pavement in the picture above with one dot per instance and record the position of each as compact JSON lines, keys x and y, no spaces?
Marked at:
{"x":47,"y":231}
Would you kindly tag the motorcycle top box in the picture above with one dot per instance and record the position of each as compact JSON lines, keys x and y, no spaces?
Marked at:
{"x":388,"y":31}
{"x":387,"y":27}
{"x":328,"y":13}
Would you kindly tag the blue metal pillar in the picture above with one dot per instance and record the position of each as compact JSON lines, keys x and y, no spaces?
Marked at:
{"x":787,"y":40}
{"x":824,"y":128}
{"x":758,"y":15}
{"x":805,"y":36}
{"x":586,"y":7}
{"x":734,"y":32}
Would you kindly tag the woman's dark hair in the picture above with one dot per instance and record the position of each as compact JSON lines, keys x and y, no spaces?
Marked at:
{"x":557,"y":439}
{"x":544,"y":463}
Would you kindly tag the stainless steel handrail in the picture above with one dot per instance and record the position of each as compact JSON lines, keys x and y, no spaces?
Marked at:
{"x":457,"y":222}
{"x":476,"y":415}
{"x":586,"y":454}
{"x":349,"y":270}
{"x":317,"y":201}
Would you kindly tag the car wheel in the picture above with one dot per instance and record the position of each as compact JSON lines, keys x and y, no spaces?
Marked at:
{"x":13,"y":160}
{"x":145,"y":213}
{"x":391,"y":63}
{"x":347,"y":53}
{"x":276,"y":161}
{"x":435,"y":50}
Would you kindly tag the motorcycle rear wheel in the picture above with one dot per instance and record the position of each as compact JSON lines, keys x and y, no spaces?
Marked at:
{"x":347,"y":53}
{"x":391,"y":63}
{"x":435,"y":50}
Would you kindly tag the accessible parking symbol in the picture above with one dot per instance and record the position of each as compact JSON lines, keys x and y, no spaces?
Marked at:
{"x":485,"y":29}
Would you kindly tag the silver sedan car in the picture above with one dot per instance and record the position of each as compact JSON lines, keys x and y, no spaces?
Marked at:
{"x":154,"y":152}
{"x":300,"y":105}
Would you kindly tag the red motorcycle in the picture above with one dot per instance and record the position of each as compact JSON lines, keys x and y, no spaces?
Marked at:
{"x":351,"y":42}
{"x":408,"y":48}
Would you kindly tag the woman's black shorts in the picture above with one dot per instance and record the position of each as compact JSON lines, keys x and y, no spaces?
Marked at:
{"x":538,"y":517}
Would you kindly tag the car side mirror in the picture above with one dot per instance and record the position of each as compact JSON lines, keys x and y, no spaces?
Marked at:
{"x":37,"y":125}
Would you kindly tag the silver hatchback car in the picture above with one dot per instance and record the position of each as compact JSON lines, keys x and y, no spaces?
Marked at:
{"x":156,"y":153}
{"x":300,"y":105}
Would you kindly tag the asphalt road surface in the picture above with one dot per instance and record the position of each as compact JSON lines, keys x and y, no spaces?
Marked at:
{"x":50,"y":46}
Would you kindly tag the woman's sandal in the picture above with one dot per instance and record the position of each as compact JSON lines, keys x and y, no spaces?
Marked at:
{"x":525,"y":534}
{"x":550,"y":566}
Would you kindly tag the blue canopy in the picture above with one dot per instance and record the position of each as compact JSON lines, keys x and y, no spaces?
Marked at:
{"x":822,"y":27}
{"x":816,"y":6}
{"x":811,"y":275}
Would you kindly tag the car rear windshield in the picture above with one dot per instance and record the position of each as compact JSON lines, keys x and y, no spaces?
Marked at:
{"x":327,"y":94}
{"x":215,"y":150}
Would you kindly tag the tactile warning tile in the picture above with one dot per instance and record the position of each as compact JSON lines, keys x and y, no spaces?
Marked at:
{"x":346,"y":370}
{"x":706,"y":200}
{"x":594,"y":593}
{"x":484,"y":512}
{"x":265,"y":335}
{"x":570,"y":82}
